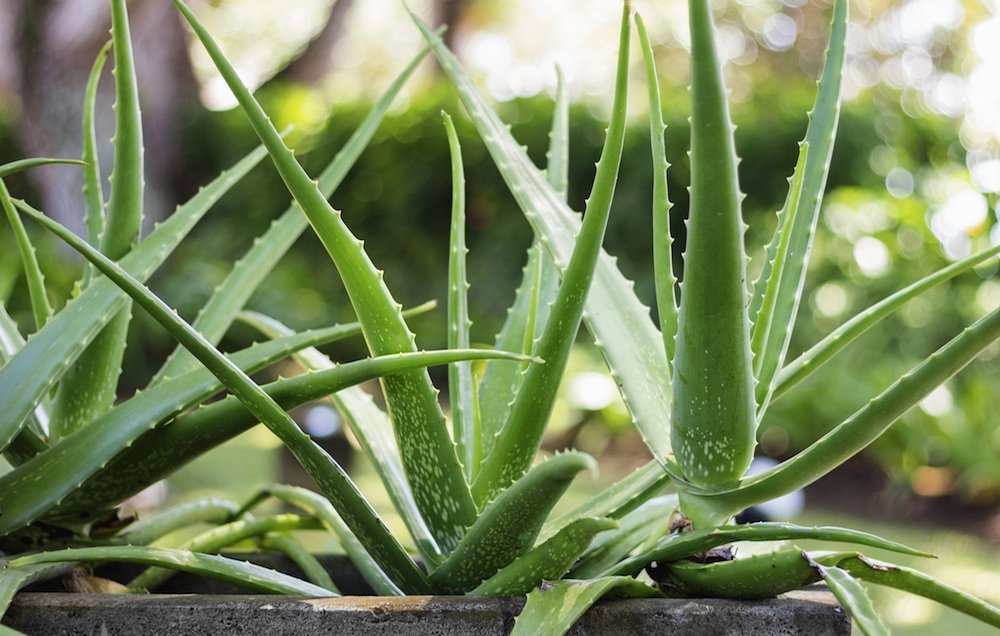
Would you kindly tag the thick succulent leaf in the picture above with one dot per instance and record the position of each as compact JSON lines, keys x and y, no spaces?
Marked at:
{"x":553,"y":608}
{"x":714,"y":422}
{"x":616,"y":500}
{"x":373,"y":430}
{"x":319,"y":507}
{"x":30,"y":441}
{"x":619,"y":322}
{"x":461,"y":384}
{"x":757,"y":576}
{"x":644,"y":526}
{"x":679,"y":546}
{"x":663,"y":268}
{"x":509,"y":525}
{"x":548,"y":561}
{"x":914,"y":582}
{"x":208,"y":510}
{"x":240,"y":573}
{"x":93,"y":192}
{"x":820,"y":353}
{"x":862,"y":428}
{"x":27,"y":378}
{"x":853,"y":598}
{"x":36,"y":486}
{"x":521,"y":435}
{"x":13,"y":579}
{"x":21,"y":165}
{"x":285,"y":544}
{"x":224,"y":536}
{"x":90,"y":386}
{"x":247,"y":274}
{"x":329,"y":476}
{"x":163,"y":450}
{"x":40,"y":305}
{"x":786,"y":285}
{"x":428,"y":454}
{"x":529,"y":313}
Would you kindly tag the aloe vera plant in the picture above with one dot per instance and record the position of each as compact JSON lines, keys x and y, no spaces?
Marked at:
{"x":474,"y":499}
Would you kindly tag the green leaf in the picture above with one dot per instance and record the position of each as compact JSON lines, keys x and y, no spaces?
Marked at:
{"x":548,"y":561}
{"x":21,"y":165}
{"x":247,"y":274}
{"x":428,"y":453}
{"x":297,"y":553}
{"x":13,"y":579}
{"x":373,"y":430}
{"x":852,"y":597}
{"x":221,"y":537}
{"x":40,"y":306}
{"x":785,"y":286}
{"x":207,"y":510}
{"x":619,"y":322}
{"x":316,"y":505}
{"x":644,"y":526}
{"x":461,"y":384}
{"x":92,"y":191}
{"x":36,"y":486}
{"x":714,"y":422}
{"x":864,"y":426}
{"x":509,"y":525}
{"x":915,"y":582}
{"x":679,"y":546}
{"x":26,"y":379}
{"x":553,"y":608}
{"x":754,"y":577}
{"x":31,"y":440}
{"x":519,"y":440}
{"x":240,"y":573}
{"x":821,"y":353}
{"x":329,"y":476}
{"x":663,"y":269}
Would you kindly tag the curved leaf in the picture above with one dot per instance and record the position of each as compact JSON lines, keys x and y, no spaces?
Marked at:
{"x":553,"y":608}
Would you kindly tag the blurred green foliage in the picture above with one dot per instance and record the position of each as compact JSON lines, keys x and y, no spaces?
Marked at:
{"x":397,"y":198}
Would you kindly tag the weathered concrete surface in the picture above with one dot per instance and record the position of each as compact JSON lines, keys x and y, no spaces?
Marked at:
{"x":813,"y":612}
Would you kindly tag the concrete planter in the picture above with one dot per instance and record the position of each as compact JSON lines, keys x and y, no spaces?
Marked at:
{"x":811,"y":611}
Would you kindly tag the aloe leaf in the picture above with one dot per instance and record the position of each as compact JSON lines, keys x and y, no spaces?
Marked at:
{"x":617,"y":319}
{"x":13,"y":579}
{"x":25,"y":494}
{"x":159,"y":452}
{"x":208,"y":510}
{"x":786,"y":286}
{"x":30,"y":441}
{"x":21,"y":165}
{"x":90,"y":386}
{"x":461,"y":384}
{"x":852,"y":597}
{"x":754,"y":577}
{"x":428,"y":454}
{"x":553,"y":608}
{"x":766,"y":355}
{"x":864,"y":426}
{"x":515,"y":448}
{"x":40,"y":306}
{"x":713,"y":422}
{"x":247,"y":274}
{"x":821,"y":353}
{"x":663,"y":269}
{"x":319,"y":507}
{"x":529,"y":313}
{"x":509,"y":525}
{"x":680,"y":546}
{"x":240,"y":573}
{"x":92,"y":190}
{"x":915,"y":582}
{"x":26,"y":379}
{"x":643,"y":526}
{"x":314,"y":571}
{"x":616,"y":500}
{"x":329,"y":476}
{"x":548,"y":561}
{"x":373,"y":430}
{"x":221,"y":537}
